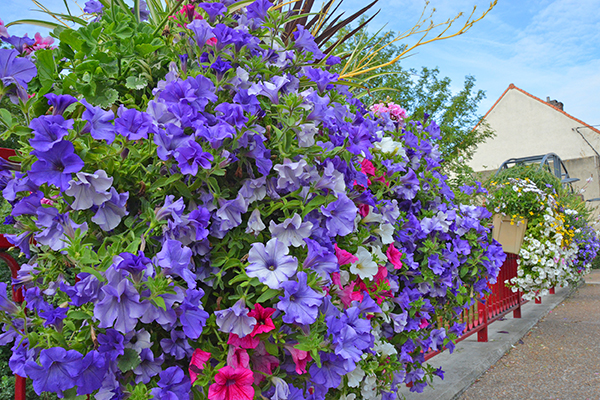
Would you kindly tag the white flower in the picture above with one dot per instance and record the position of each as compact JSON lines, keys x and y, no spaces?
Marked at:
{"x":365,"y":267}
{"x":355,"y":377}
{"x":386,"y":232}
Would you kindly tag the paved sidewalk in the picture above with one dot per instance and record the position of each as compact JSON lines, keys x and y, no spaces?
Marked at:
{"x":559,"y":358}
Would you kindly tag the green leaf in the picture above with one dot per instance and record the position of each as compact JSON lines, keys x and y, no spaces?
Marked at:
{"x":45,"y":66}
{"x":146,"y":48}
{"x":129,"y":360}
{"x":267,"y":295}
{"x":76,"y":314}
{"x":5,"y":117}
{"x":108,"y":97}
{"x":160,"y":302}
{"x":183,"y":190}
{"x":136,"y":82}
{"x":36,"y":22}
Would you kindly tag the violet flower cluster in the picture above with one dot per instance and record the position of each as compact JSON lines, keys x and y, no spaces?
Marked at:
{"x":251,"y":231}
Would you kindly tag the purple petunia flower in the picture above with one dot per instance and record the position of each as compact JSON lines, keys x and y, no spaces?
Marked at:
{"x":59,"y":102}
{"x":213,"y":10}
{"x":230,"y":212}
{"x":191,"y":156}
{"x":120,"y":305}
{"x":90,"y":190}
{"x":290,"y":174}
{"x":134,"y":124}
{"x":93,"y":7}
{"x":48,"y":130}
{"x":16,"y":70}
{"x":149,"y":366}
{"x":173,"y":385}
{"x":305,"y":41}
{"x":248,"y":101}
{"x":409,"y":186}
{"x":111,"y":343}
{"x":175,"y":260}
{"x":271,"y":264}
{"x":6,"y":305}
{"x":55,"y":228}
{"x":177,"y":345}
{"x":94,"y":367}
{"x":20,"y":43}
{"x":300,"y":305}
{"x":292,"y":231}
{"x":202,"y":31}
{"x":56,"y":165}
{"x":258,"y":10}
{"x":330,"y":374}
{"x":321,"y":260}
{"x":340,"y":216}
{"x":110,"y":213}
{"x":235,"y":319}
{"x":99,"y":122}
{"x":58,"y":371}
{"x":233,"y":114}
{"x":320,"y":77}
{"x":193,"y":317}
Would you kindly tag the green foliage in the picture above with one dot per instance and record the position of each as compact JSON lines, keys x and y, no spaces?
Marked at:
{"x":115,"y":60}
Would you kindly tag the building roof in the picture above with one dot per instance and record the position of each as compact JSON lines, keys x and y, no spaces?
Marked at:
{"x":512,"y":86}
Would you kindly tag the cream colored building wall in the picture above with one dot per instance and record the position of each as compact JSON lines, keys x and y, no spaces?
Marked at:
{"x":526,"y":127}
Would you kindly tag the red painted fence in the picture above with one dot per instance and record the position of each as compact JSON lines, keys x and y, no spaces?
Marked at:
{"x":500,"y":302}
{"x":17,"y":295}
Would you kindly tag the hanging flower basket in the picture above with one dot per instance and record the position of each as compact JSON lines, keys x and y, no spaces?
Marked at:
{"x":509,"y":233}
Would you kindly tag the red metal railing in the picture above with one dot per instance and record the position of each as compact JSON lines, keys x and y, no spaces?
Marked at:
{"x":17,"y":295}
{"x":500,"y":302}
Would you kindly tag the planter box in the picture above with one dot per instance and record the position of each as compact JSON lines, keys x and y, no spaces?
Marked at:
{"x":509,"y":235}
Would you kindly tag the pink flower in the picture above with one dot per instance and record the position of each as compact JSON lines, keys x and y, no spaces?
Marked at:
{"x":247,"y":342}
{"x":3,"y":31}
{"x":262,"y":361}
{"x":189,"y":11}
{"x":212,"y":41}
{"x":300,"y":357}
{"x":264,"y":323}
{"x":199,"y":360}
{"x":238,"y":357}
{"x":232,"y":384}
{"x":394,"y":255}
{"x":344,"y":257}
{"x":396,"y":112}
{"x":367,"y":167}
{"x":363,"y":209}
{"x":40,"y":43}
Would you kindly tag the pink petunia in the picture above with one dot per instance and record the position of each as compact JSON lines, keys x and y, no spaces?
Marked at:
{"x":300,"y":357}
{"x":247,"y":342}
{"x":394,"y":256}
{"x":344,"y":257}
{"x":232,"y":384}
{"x":40,"y":43}
{"x":263,"y":362}
{"x":199,"y":360}
{"x":238,"y":357}
{"x":264,"y":323}
{"x":367,"y":167}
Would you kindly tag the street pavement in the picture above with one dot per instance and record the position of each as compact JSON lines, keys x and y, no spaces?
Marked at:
{"x":552,"y":352}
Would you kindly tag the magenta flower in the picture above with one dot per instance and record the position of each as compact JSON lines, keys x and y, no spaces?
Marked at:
{"x":232,"y":384}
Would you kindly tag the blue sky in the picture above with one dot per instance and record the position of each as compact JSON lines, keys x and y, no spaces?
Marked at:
{"x":545,"y":47}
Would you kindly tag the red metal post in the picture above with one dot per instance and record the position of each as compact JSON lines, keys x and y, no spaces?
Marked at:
{"x":552,"y":291}
{"x":517,"y":311}
{"x":482,"y":335}
{"x":17,"y":296}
